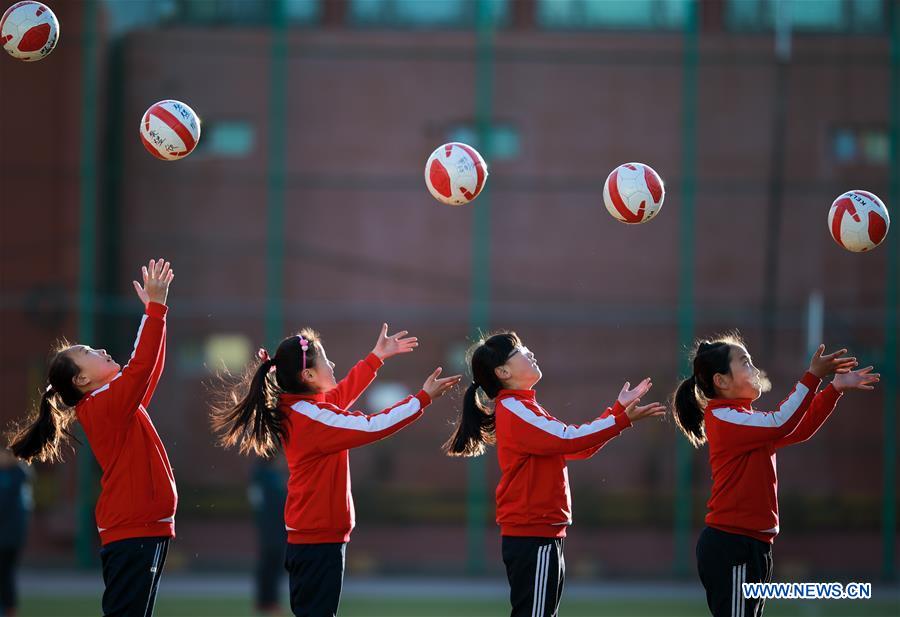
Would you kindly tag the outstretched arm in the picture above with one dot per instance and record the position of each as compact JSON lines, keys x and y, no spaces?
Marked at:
{"x":825,"y":401}
{"x":364,"y":372}
{"x":747,"y":431}
{"x":352,"y":429}
{"x":627,"y":400}
{"x":587,"y":453}
{"x":135,"y":385}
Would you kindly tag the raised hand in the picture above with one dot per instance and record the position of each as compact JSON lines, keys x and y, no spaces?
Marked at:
{"x":863,"y":379}
{"x":388,"y":346}
{"x":635,"y":413}
{"x":436,"y":387}
{"x":157,"y":277}
{"x":822,"y":365}
{"x":627,"y":395}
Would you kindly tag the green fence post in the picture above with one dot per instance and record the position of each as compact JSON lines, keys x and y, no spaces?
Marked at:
{"x":87,"y":240}
{"x":274,"y":319}
{"x":683,"y":492}
{"x":889,"y":369}
{"x":479,"y":309}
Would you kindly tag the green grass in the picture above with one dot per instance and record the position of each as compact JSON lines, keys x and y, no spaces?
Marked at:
{"x":36,"y":606}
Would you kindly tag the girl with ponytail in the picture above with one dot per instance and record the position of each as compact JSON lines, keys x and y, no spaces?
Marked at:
{"x":533,"y":502}
{"x":44,"y":435}
{"x":714,"y":406}
{"x":135,"y":512}
{"x":291,"y":401}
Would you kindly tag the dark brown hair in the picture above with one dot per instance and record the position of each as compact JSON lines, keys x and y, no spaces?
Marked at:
{"x":475,"y":426}
{"x":248,"y":415}
{"x":43,"y":435}
{"x":708,"y":358}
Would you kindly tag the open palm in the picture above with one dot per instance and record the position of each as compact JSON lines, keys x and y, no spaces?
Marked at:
{"x":823,"y":364}
{"x":628,"y":394}
{"x":435,"y":386}
{"x":863,"y":379}
{"x":388,"y":346}
{"x":157,"y":277}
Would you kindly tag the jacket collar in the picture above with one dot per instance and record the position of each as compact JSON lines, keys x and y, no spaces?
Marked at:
{"x":526,"y":394}
{"x":744,"y":404}
{"x":287,"y":398}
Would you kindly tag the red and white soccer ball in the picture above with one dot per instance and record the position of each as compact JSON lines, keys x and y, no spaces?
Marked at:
{"x":455,"y":174}
{"x":170,"y":130}
{"x":858,"y":221}
{"x":29,"y":31}
{"x":633,"y":193}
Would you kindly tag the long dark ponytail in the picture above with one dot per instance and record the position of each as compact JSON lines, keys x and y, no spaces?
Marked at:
{"x":476,"y":423}
{"x":708,"y":359}
{"x":248,"y":415}
{"x":44,"y":434}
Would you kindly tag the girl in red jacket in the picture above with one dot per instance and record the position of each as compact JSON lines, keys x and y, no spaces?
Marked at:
{"x":715,"y":405}
{"x":534,"y":506}
{"x":293,"y":401}
{"x":136,"y":510}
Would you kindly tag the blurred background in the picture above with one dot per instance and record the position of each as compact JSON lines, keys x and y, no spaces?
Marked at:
{"x":304,"y":205}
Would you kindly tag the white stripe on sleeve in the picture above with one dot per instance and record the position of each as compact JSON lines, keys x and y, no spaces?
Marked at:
{"x":368,"y":424}
{"x":555,"y":427}
{"x":773,"y":419}
{"x":137,"y":340}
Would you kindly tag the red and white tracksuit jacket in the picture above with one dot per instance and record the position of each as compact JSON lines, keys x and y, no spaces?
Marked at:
{"x":742,"y":445}
{"x":533,"y":496}
{"x":319,"y":507}
{"x":137,"y":489}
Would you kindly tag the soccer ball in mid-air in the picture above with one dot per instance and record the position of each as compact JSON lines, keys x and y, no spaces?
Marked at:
{"x":29,"y":31}
{"x":170,"y":130}
{"x":858,"y":221}
{"x":455,"y":174}
{"x":633,"y":193}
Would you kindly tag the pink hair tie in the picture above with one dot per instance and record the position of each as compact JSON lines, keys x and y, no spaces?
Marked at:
{"x":304,"y":345}
{"x":263,"y":355}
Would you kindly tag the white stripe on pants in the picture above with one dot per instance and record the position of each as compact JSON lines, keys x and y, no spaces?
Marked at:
{"x":540,"y":580}
{"x":738,"y":578}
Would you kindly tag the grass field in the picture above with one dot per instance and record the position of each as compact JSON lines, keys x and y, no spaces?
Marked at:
{"x":77,"y":606}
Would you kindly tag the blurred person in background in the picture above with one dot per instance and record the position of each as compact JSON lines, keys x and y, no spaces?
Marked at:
{"x":15,"y":507}
{"x":267,"y":493}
